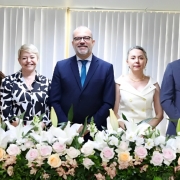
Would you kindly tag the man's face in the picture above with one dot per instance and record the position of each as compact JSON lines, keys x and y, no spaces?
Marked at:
{"x":83,"y":42}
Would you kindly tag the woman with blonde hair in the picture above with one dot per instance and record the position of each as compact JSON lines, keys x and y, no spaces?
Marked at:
{"x":26,"y":91}
{"x":137,"y":95}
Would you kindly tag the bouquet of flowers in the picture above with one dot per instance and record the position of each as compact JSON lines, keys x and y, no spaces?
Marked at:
{"x":138,"y":152}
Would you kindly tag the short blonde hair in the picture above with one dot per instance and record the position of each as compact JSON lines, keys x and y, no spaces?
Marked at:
{"x":30,"y":48}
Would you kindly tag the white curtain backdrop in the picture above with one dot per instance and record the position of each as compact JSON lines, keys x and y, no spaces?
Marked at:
{"x":43,"y":27}
{"x":50,"y":29}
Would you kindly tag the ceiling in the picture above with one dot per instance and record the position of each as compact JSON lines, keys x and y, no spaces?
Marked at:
{"x":158,"y":5}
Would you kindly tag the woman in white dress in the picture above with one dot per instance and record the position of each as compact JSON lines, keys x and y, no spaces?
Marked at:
{"x":137,"y":95}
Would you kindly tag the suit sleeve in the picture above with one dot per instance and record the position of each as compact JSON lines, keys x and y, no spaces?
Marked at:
{"x":167,"y":94}
{"x":55,"y":95}
{"x":108,"y":99}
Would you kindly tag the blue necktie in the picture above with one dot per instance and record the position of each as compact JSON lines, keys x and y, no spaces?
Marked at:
{"x":83,"y":71}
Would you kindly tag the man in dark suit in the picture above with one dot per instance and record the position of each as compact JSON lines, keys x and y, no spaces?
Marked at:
{"x":170,"y":94}
{"x":91,"y":98}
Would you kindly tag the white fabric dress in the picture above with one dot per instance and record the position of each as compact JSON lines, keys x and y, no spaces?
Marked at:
{"x":136,"y":105}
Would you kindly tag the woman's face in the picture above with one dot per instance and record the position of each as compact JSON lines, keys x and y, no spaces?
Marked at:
{"x":28,"y":61}
{"x":136,"y":60}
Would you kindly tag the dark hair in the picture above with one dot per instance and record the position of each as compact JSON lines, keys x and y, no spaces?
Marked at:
{"x":137,"y":47}
{"x":1,"y":77}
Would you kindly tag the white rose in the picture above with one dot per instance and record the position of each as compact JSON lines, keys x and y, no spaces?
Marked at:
{"x":87,"y":149}
{"x":13,"y":150}
{"x":72,"y":152}
{"x":87,"y":163}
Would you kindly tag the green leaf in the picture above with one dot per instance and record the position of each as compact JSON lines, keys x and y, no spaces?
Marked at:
{"x":172,"y":120}
{"x":124,"y":117}
{"x":157,"y":178}
{"x":70,"y":114}
{"x":178,"y":127}
{"x":145,"y":121}
{"x":54,"y":118}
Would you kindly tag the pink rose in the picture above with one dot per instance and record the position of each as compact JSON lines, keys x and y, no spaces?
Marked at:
{"x":45,"y":150}
{"x":169,"y":155}
{"x":13,"y":150}
{"x":156,"y":159}
{"x":87,"y":163}
{"x":59,"y":148}
{"x":32,"y":154}
{"x":107,"y":154}
{"x":141,"y":151}
{"x":72,"y":152}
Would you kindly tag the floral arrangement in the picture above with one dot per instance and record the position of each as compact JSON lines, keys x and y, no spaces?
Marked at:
{"x":138,"y":152}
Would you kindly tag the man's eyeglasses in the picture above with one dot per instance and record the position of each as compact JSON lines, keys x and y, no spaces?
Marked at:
{"x":85,"y":38}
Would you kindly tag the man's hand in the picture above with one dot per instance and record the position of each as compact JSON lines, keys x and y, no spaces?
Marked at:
{"x":81,"y":128}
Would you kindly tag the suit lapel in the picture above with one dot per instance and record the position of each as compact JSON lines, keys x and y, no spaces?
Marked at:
{"x":93,"y":66}
{"x":75,"y":71}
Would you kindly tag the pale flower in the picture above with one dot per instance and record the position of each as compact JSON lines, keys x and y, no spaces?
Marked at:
{"x":67,"y":135}
{"x":80,"y":140}
{"x":2,"y":154}
{"x":160,"y":140}
{"x":99,"y":176}
{"x":92,"y":129}
{"x":157,"y":158}
{"x":123,"y":146}
{"x":4,"y":138}
{"x":72,"y":152}
{"x":59,"y":148}
{"x":87,"y":163}
{"x":107,"y":154}
{"x":113,"y":120}
{"x":139,"y":140}
{"x":124,"y":157}
{"x":113,"y":141}
{"x":130,"y":136}
{"x":141,"y":151}
{"x":100,"y":140}
{"x":87,"y":149}
{"x":171,"y":143}
{"x":32,"y":154}
{"x":13,"y":150}
{"x":45,"y":150}
{"x":10,"y":170}
{"x":169,"y":155}
{"x":54,"y":160}
{"x":149,"y":143}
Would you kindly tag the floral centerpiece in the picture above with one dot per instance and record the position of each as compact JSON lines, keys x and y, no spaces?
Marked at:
{"x":138,"y":152}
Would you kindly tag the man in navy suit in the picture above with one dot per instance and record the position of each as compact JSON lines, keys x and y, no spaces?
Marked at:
{"x":170,"y":94}
{"x":92,"y":99}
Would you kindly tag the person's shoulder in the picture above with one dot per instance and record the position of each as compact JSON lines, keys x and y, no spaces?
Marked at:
{"x":175,"y":63}
{"x":102,"y":61}
{"x":43,"y":78}
{"x":152,"y":80}
{"x":9,"y":79}
{"x":67,"y":60}
{"x":120,"y":79}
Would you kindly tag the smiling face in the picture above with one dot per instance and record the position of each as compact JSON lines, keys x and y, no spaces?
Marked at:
{"x":83,"y":42}
{"x":136,"y":60}
{"x":28,"y":61}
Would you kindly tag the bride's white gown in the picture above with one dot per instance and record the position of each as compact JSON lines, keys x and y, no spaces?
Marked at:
{"x":137,"y":105}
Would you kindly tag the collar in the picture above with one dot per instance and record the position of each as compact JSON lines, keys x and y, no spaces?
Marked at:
{"x":20,"y":77}
{"x":89,"y":58}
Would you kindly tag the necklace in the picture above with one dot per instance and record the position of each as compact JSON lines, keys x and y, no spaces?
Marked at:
{"x":138,"y":79}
